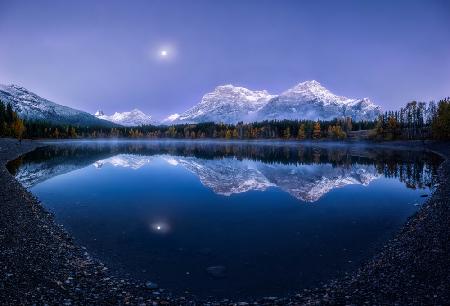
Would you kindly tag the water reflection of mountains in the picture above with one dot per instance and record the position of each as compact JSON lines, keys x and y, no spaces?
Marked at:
{"x":307,"y":172}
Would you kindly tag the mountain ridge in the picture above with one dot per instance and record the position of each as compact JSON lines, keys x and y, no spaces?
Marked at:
{"x":225,"y":104}
{"x":306,"y":100}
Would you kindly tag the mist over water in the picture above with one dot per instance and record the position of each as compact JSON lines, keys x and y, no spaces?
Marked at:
{"x":228,"y":219}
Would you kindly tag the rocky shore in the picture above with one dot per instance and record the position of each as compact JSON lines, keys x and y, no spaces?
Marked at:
{"x":41,"y":264}
{"x":413,"y":268}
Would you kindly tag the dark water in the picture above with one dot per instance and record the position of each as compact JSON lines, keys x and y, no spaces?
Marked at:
{"x":274,"y":217}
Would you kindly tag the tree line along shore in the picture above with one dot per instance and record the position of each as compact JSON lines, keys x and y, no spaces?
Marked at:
{"x":415,"y":121}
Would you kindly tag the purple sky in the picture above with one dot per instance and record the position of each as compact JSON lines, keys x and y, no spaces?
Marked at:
{"x":104,"y":55}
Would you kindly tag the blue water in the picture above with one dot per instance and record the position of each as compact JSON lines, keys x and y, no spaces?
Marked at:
{"x":277,"y":217}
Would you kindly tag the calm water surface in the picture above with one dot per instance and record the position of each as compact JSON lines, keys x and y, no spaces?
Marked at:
{"x":273,"y":217}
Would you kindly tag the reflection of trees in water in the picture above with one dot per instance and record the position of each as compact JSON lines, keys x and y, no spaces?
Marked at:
{"x":415,"y":168}
{"x":417,"y":174}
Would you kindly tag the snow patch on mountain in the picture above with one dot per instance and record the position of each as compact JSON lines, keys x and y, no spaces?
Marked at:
{"x":170,"y":119}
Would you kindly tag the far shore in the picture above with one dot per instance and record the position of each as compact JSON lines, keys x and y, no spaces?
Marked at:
{"x":41,"y":263}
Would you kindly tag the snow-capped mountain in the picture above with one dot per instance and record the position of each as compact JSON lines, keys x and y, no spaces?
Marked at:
{"x":307,"y":100}
{"x":310,"y":100}
{"x":228,"y":104}
{"x":132,"y":118}
{"x":30,"y":106}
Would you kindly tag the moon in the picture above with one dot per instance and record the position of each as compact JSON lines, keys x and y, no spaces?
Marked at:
{"x":160,"y":227}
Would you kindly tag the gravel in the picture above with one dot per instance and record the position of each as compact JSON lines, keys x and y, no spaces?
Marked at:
{"x":41,"y":264}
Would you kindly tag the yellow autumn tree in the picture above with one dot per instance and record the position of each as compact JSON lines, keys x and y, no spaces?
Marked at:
{"x":235,"y":133}
{"x":228,"y":134}
{"x":72,"y":132}
{"x":301,"y":132}
{"x":316,"y":130}
{"x":173,"y":131}
{"x":56,"y":133}
{"x":287,"y":133}
{"x":336,"y":132}
{"x":18,"y":128}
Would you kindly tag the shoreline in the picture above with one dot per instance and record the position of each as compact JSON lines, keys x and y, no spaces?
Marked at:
{"x":42,"y":264}
{"x":413,"y":267}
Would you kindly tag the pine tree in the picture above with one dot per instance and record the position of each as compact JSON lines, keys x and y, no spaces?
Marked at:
{"x":441,"y":122}
{"x":9,"y":116}
{"x":2,"y":119}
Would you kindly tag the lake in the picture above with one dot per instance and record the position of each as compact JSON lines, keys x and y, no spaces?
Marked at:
{"x":228,"y":219}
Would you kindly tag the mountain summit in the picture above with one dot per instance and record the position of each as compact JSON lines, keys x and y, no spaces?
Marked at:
{"x":226,"y":103}
{"x":134,"y":117}
{"x":310,"y":100}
